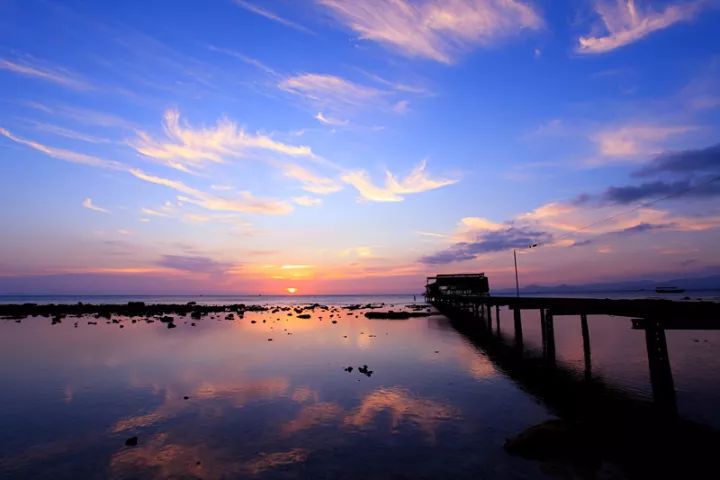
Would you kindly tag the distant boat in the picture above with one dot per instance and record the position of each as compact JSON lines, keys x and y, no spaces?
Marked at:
{"x":669,"y":290}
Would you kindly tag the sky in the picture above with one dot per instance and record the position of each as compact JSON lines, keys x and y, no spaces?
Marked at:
{"x":344,"y":146}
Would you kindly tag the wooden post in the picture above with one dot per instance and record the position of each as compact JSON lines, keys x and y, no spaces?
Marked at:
{"x":586,"y":345}
{"x":550,"y":337}
{"x":518,"y":327}
{"x":497,"y":318}
{"x":543,"y":332}
{"x":489,"y":318}
{"x":659,"y":362}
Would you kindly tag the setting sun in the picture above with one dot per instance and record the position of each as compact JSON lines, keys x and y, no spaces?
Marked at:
{"x":291,"y":290}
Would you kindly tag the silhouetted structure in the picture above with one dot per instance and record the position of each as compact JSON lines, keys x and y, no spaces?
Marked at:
{"x":464,"y":294}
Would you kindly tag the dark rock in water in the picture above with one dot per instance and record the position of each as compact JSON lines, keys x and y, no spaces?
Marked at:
{"x":131,"y":442}
{"x":230,"y":317}
{"x":122,"y":326}
{"x":192,"y":324}
{"x":304,"y":315}
{"x":269,"y":339}
{"x":186,"y":397}
{"x":56,"y":320}
{"x":253,"y":321}
{"x":365,"y":371}
{"x":551,"y":440}
{"x":166,"y":319}
{"x":171,"y":325}
{"x":334,"y":321}
{"x":196,"y":315}
{"x":348,"y":369}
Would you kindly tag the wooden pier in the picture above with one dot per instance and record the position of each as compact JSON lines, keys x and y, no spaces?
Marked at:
{"x":654,"y":316}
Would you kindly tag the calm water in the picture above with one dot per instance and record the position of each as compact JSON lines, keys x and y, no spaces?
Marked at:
{"x":435,"y":405}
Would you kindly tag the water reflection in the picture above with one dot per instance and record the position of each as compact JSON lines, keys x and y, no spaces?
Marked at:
{"x":220,"y":400}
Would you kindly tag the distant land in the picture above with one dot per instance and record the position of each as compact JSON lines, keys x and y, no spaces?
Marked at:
{"x":711,"y":282}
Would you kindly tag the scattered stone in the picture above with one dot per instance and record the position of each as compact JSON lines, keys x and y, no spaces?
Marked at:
{"x":171,"y":325}
{"x":304,"y":315}
{"x":186,"y":397}
{"x":348,"y":369}
{"x":365,"y":371}
{"x":131,"y":442}
{"x":334,"y":321}
{"x":269,"y":339}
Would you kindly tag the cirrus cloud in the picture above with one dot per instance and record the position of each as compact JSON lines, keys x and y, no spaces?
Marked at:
{"x":188,"y":148}
{"x":625,"y":23}
{"x":435,"y":29}
{"x":415,"y":182}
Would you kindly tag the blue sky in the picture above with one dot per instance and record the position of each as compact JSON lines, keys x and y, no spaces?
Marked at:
{"x":340,"y":146}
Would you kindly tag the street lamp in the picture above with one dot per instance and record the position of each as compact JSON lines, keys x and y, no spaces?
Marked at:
{"x":517,"y":282}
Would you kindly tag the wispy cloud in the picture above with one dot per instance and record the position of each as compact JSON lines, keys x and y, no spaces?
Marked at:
{"x":186,"y":148}
{"x":66,"y":155}
{"x":626,"y":23}
{"x":415,"y":182}
{"x":631,"y":141}
{"x":193,"y":264}
{"x":328,"y":120}
{"x":88,"y":203}
{"x":246,"y":59}
{"x":69,"y":133}
{"x":55,"y":75}
{"x":84,"y":116}
{"x":330,"y":90}
{"x":242,"y":202}
{"x":272,"y":16}
{"x":435,"y":29}
{"x":312,"y":182}
{"x":307,"y":201}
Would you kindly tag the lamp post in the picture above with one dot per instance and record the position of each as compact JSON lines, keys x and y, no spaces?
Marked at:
{"x":517,"y":282}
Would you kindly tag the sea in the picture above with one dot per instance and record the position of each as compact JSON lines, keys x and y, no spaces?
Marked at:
{"x":338,"y":395}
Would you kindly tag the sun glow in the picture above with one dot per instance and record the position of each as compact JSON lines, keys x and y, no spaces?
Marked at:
{"x":291,"y":290}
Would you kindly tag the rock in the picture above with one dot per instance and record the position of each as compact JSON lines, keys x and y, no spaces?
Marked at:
{"x":304,"y":315}
{"x":131,"y":442}
{"x":334,"y":321}
{"x":171,"y":325}
{"x":186,"y":397}
{"x":551,"y":440}
{"x":253,"y":321}
{"x":196,"y":315}
{"x":365,"y":371}
{"x":348,"y":369}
